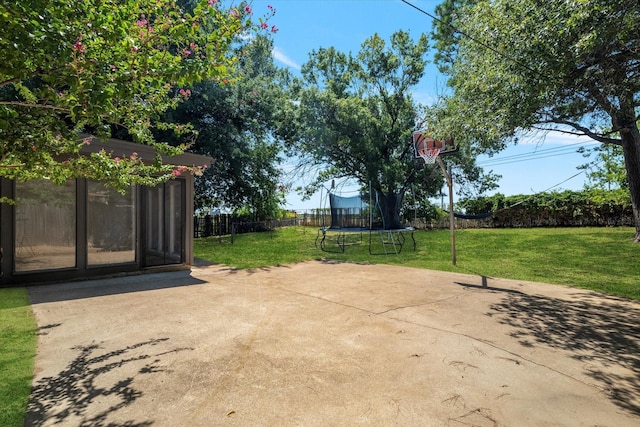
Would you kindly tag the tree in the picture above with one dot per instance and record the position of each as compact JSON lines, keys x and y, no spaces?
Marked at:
{"x":75,"y":66}
{"x":607,"y":170}
{"x":567,"y":66}
{"x":356,"y":114}
{"x":236,"y":126}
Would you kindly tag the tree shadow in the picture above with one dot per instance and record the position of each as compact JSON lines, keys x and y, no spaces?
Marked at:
{"x":44,"y":330}
{"x":75,"y":393}
{"x":602,"y":332}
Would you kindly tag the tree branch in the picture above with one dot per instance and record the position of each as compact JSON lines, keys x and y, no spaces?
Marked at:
{"x":584,"y":131}
{"x":29,"y":105}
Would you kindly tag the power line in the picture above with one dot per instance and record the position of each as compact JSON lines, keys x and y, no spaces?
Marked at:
{"x":538,"y":154}
{"x":523,"y":160}
{"x":481,"y":43}
{"x":560,"y":183}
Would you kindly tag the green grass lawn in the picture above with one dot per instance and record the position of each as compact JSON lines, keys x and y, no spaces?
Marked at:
{"x":600,"y":259}
{"x":17,"y":355}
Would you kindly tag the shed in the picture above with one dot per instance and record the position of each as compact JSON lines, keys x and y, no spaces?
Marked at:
{"x":86,"y":229}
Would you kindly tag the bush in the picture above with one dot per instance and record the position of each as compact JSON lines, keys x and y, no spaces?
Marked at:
{"x":594,"y":207}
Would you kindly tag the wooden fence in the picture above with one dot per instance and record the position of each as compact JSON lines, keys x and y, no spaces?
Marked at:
{"x":228,"y":224}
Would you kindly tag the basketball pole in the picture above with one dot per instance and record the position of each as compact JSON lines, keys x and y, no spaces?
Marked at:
{"x":452,"y":224}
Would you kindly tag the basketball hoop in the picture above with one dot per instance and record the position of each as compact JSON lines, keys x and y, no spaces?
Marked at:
{"x":429,"y":155}
{"x":428,"y":148}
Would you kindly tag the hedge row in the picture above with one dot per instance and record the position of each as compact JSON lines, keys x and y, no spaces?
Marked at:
{"x":554,"y":209}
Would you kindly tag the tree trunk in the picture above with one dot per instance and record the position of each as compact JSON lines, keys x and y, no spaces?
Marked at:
{"x":631,"y":148}
{"x":390,"y":206}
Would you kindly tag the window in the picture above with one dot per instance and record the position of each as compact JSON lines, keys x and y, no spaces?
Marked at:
{"x":45,"y":225}
{"x":111,"y":225}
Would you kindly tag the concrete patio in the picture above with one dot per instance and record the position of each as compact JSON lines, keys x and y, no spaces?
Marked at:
{"x":332,"y":344}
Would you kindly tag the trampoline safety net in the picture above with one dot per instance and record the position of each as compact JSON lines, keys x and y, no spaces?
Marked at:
{"x":349,"y":212}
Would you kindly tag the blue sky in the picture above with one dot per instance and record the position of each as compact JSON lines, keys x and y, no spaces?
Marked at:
{"x":534,"y":165}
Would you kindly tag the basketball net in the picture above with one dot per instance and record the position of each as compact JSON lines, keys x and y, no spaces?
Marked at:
{"x":429,"y":155}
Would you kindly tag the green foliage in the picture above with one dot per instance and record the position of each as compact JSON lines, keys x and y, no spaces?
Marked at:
{"x":607,"y":170}
{"x":83,"y":66}
{"x":236,"y":125}
{"x":356,"y":113}
{"x":516,"y":66}
{"x":445,"y":32}
{"x":602,"y":259}
{"x":18,"y":343}
{"x":422,"y":209}
{"x":524,"y":64}
{"x":355,"y":118}
{"x":594,"y":207}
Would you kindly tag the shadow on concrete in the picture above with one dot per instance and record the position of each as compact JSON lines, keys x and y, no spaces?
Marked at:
{"x":44,"y":330}
{"x":485,"y":286}
{"x":201,"y":262}
{"x":92,"y":378}
{"x":328,"y":261}
{"x":110,"y":286}
{"x":602,"y":332}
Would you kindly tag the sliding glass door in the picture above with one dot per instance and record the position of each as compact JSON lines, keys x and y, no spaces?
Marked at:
{"x":164,"y":224}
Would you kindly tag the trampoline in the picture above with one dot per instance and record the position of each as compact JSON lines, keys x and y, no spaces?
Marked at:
{"x":355,"y":218}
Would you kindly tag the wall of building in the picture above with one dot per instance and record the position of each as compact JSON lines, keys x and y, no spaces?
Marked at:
{"x":85,"y":229}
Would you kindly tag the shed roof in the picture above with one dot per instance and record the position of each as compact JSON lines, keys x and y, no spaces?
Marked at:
{"x":121,"y":148}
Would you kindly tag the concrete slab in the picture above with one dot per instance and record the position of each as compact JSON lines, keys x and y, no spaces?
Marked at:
{"x":325,"y":343}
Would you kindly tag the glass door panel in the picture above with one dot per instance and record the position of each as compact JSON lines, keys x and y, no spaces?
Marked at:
{"x":111,"y":225}
{"x":164,"y":218}
{"x":45,"y":225}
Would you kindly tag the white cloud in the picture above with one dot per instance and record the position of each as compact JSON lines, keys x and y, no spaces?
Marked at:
{"x":280,"y":56}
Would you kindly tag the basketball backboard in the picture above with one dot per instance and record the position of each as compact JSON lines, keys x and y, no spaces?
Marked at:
{"x":423,"y":144}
